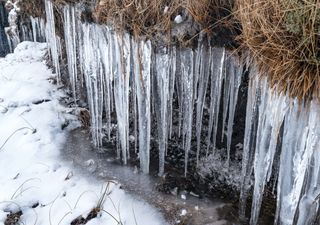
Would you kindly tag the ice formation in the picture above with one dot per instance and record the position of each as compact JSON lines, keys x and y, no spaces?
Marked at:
{"x":12,"y":31}
{"x":276,"y":124}
{"x":171,"y":88}
{"x":53,"y":40}
{"x":115,"y":67}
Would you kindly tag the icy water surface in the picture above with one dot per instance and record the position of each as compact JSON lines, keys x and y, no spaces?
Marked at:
{"x":178,"y":209}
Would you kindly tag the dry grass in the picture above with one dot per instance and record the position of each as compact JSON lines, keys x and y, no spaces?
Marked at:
{"x":33,"y":8}
{"x":141,"y":17}
{"x":210,"y":13}
{"x":154,"y":18}
{"x":284,"y":38}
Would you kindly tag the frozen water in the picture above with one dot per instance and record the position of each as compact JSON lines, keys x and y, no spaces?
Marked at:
{"x":70,"y":36}
{"x":163,"y":95}
{"x":298,"y":173}
{"x":142,"y":51}
{"x":176,"y":85}
{"x":52,"y":39}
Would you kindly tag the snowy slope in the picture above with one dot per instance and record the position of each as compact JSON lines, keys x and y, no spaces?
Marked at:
{"x":33,"y":178}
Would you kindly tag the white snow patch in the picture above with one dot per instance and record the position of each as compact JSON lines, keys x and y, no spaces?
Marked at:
{"x":178,"y":19}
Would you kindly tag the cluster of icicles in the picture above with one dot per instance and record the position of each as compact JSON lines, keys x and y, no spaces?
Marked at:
{"x":122,"y":75}
{"x":132,"y":77}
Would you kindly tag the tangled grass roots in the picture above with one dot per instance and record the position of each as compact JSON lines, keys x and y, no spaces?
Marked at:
{"x":153,"y":17}
{"x":284,"y":37}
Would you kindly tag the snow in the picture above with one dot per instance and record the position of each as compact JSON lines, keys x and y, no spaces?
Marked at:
{"x":183,"y":212}
{"x":33,"y":178}
{"x":178,"y":19}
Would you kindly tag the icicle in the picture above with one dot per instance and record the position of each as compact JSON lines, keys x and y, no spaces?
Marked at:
{"x":173,"y":59}
{"x":53,"y":41}
{"x":34,"y":29}
{"x":70,"y":34}
{"x":272,"y":110}
{"x":179,"y":85}
{"x":142,"y":51}
{"x":217,"y":74}
{"x":298,"y":177}
{"x":187,"y":78}
{"x":249,"y":140}
{"x":309,"y":199}
{"x":12,"y":31}
{"x":298,"y":182}
{"x":93,"y":74}
{"x":135,"y":114}
{"x":105,"y":44}
{"x":38,"y":29}
{"x":226,"y":98}
{"x":202,"y":72}
{"x":162,"y":93}
{"x":234,"y":74}
{"x":25,"y":33}
{"x":134,"y":101}
{"x":121,"y":89}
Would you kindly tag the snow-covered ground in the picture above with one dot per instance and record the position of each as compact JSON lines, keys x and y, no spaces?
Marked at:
{"x":33,"y":178}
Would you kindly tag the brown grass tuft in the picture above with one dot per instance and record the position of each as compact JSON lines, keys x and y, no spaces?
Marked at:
{"x":33,"y":8}
{"x":284,"y":38}
{"x":141,"y":17}
{"x":154,"y":18}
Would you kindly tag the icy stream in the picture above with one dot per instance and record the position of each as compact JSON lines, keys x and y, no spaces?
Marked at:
{"x":171,"y":94}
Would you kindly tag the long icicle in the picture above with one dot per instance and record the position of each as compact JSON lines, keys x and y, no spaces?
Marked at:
{"x":142,"y":50}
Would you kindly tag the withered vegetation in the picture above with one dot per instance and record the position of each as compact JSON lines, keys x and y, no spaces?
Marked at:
{"x":284,"y":38}
{"x":33,"y":8}
{"x":154,"y":18}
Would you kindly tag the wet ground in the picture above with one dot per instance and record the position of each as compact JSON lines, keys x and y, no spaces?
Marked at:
{"x":178,"y":207}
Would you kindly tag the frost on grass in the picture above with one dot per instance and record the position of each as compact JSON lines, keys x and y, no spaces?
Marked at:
{"x":33,"y":179}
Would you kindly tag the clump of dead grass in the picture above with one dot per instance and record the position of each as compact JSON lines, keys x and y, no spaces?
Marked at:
{"x":212,"y":13}
{"x":151,"y":18}
{"x":33,"y":8}
{"x":284,"y":37}
{"x":141,"y":17}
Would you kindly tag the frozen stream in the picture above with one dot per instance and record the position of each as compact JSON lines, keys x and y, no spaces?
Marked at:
{"x":79,"y":150}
